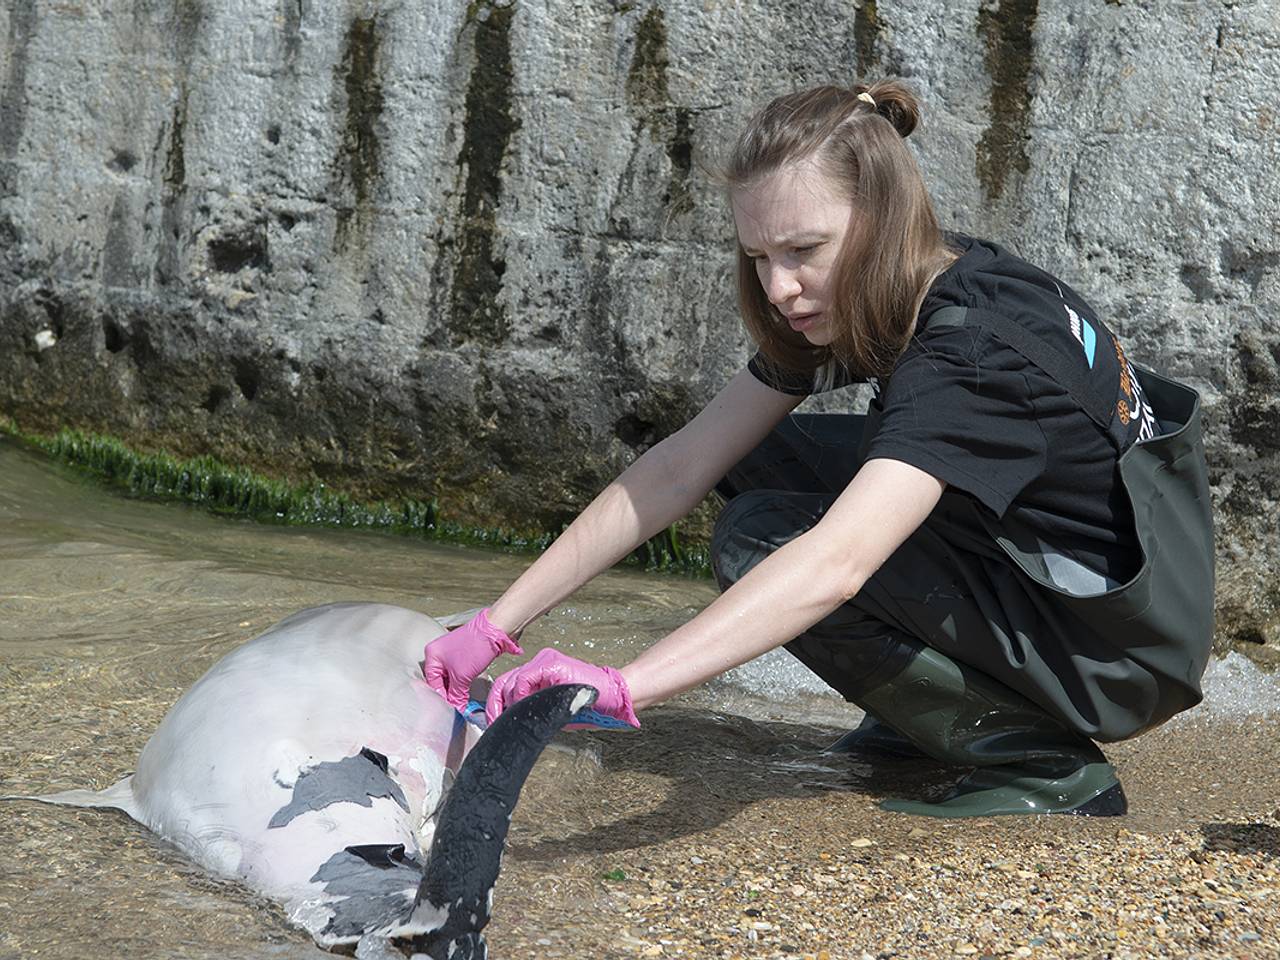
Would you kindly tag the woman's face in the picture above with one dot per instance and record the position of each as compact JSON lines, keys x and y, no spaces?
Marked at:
{"x":792,"y":224}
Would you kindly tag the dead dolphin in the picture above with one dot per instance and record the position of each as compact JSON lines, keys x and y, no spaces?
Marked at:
{"x":313,"y":763}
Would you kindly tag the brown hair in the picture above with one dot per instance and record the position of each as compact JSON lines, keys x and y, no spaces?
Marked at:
{"x":893,"y":249}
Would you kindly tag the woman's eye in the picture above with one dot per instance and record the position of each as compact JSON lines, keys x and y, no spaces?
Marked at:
{"x":805,"y":249}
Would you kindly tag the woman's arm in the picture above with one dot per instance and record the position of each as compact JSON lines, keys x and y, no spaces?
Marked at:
{"x":794,"y":587}
{"x":667,"y":482}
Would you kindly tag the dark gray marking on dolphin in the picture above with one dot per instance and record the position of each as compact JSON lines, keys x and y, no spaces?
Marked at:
{"x":356,"y":779}
{"x":384,"y":855}
{"x":378,"y":882}
{"x":378,"y":759}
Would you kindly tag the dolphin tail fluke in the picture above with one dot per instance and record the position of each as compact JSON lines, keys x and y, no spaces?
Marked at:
{"x":118,"y":796}
{"x":456,"y":893}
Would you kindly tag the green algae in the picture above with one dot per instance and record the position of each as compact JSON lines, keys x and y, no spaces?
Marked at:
{"x":235,"y":491}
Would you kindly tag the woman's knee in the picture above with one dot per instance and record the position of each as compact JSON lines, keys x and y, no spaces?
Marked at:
{"x":754,"y":524}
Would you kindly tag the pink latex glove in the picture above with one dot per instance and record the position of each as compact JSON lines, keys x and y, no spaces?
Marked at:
{"x":451,"y":661}
{"x":551,"y":667}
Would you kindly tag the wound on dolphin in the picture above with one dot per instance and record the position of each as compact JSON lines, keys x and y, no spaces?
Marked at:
{"x":356,"y":779}
{"x":378,"y":883}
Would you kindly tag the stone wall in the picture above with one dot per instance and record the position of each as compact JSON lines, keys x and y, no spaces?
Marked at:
{"x":469,"y":250}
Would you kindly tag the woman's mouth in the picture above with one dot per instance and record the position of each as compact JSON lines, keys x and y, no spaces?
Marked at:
{"x":803,"y":321}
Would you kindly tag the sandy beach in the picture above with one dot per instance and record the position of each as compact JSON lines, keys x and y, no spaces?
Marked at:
{"x":721,"y":837}
{"x":693,"y":853}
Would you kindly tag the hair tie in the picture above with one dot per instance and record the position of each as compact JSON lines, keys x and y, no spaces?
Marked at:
{"x":868,"y":98}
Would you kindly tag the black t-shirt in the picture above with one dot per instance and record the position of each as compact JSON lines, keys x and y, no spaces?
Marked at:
{"x":969,"y":409}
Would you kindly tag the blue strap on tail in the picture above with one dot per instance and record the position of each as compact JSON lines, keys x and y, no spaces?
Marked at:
{"x":474,"y":712}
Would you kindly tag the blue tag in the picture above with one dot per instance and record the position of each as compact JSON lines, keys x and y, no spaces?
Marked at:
{"x":474,"y":712}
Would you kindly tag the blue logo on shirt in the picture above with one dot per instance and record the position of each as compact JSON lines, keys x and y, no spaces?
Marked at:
{"x":1083,"y":331}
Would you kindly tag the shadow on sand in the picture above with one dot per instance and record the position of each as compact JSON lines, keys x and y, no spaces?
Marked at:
{"x":692,"y":771}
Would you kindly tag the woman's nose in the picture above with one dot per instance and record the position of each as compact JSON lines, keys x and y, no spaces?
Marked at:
{"x":781,"y":285}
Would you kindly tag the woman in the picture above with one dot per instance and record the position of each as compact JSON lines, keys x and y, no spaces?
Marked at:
{"x":1009,"y":558}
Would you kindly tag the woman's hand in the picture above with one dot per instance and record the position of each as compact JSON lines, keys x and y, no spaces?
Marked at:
{"x":451,"y":661}
{"x":549,"y":668}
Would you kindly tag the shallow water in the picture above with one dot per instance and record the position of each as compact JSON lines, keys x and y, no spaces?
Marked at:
{"x":111,"y":607}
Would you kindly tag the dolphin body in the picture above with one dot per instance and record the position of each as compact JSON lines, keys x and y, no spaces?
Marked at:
{"x":314,"y":764}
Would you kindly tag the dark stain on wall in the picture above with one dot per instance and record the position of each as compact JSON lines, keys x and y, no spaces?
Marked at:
{"x":233,"y":251}
{"x":122,"y":161}
{"x":247,"y":376}
{"x":173,"y":192}
{"x":475,"y":313}
{"x":679,"y":199}
{"x":175,"y":165}
{"x":13,"y":96}
{"x":866,"y":31}
{"x":359,"y":151}
{"x":188,"y":23}
{"x":186,"y":26}
{"x":1007,"y":30}
{"x":114,"y":337}
{"x":649,"y":94}
{"x":117,"y":250}
{"x":217,"y":395}
{"x":291,"y":12}
{"x":1255,"y":409}
{"x":647,"y":78}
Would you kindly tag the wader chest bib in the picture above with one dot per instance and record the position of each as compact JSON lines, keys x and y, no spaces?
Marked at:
{"x":1162,"y":618}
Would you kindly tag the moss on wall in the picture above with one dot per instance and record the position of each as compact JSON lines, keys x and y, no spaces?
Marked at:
{"x":1007,"y":30}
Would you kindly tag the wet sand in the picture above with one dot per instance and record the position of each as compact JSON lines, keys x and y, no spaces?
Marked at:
{"x":705,"y":835}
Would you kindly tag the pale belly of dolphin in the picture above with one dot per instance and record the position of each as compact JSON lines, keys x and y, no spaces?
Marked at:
{"x":317,"y":688}
{"x":311,"y":763}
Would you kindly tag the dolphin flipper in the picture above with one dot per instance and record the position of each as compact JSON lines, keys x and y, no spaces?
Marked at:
{"x":457,"y":619}
{"x":456,"y":893}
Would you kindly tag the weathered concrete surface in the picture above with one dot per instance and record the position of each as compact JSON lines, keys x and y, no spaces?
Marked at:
{"x":468,"y":250}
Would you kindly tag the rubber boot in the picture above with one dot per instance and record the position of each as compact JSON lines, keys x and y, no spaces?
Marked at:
{"x":1027,"y":761}
{"x":875,"y":740}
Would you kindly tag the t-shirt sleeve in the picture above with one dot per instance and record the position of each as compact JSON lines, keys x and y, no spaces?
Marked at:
{"x":961,"y":410}
{"x":793,"y":382}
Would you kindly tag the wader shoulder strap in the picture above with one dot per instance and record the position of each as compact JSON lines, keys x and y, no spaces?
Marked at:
{"x":1062,"y":369}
